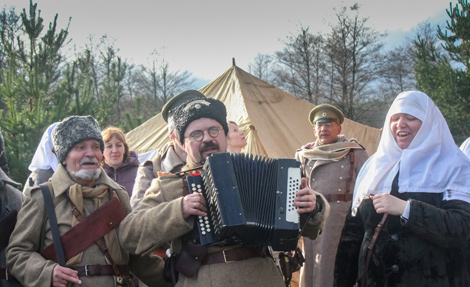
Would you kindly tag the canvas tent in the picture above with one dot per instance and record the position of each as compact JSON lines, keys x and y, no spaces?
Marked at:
{"x":274,"y":121}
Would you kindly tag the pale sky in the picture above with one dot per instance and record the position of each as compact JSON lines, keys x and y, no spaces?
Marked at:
{"x":202,"y":36}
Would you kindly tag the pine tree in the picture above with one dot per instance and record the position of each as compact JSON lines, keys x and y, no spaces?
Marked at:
{"x":442,"y":71}
{"x":30,"y":89}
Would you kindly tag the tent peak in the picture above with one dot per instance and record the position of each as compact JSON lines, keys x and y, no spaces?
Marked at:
{"x":233,"y":62}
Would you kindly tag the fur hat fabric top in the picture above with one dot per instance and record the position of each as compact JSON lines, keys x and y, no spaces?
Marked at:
{"x":73,"y":130}
{"x":196,"y":109}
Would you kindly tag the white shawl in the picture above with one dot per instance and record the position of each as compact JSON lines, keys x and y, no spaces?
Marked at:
{"x":44,"y":158}
{"x":432,"y":162}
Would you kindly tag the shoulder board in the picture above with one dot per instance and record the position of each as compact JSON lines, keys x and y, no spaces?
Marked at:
{"x":354,"y":140}
{"x":164,"y":173}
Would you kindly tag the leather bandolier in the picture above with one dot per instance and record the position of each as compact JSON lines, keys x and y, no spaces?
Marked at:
{"x":91,"y":230}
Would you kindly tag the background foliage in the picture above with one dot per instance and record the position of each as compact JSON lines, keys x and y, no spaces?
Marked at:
{"x":347,"y":67}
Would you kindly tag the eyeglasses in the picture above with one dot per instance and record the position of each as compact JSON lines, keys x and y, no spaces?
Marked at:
{"x":327,"y":125}
{"x":198,"y":135}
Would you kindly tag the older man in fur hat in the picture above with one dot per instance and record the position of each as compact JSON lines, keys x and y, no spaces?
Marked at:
{"x":330,"y":164}
{"x":89,"y":207}
{"x":166,"y":213}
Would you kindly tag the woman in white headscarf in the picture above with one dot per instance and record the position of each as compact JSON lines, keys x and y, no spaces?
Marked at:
{"x":417,"y":186}
{"x":44,"y":162}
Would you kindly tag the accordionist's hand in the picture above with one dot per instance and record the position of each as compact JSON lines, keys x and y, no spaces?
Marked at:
{"x":305,"y":198}
{"x":194,"y":204}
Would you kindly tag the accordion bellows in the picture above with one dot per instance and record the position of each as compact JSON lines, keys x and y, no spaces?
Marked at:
{"x":249,"y":200}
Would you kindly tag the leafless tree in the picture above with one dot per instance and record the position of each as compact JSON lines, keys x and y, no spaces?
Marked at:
{"x":353,"y":52}
{"x":302,"y":65}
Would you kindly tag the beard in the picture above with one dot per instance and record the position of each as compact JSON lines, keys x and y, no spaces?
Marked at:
{"x":85,"y":174}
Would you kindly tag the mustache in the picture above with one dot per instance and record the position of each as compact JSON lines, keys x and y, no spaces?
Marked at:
{"x":88,"y":160}
{"x":208,"y":145}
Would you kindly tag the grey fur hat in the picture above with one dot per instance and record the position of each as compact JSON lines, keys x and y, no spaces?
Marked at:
{"x":73,"y":130}
{"x":198,"y":108}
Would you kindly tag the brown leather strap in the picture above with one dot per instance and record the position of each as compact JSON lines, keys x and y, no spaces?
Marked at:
{"x":84,"y":234}
{"x":101,"y":270}
{"x":6,"y":275}
{"x":371,"y":247}
{"x":352,"y":173}
{"x":338,"y":197}
{"x":235,"y":254}
{"x":100,"y":241}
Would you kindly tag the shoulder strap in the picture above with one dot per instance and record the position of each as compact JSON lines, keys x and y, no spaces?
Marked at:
{"x":50,"y":210}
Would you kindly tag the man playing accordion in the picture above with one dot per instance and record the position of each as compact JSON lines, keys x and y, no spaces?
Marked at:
{"x":166,"y":212}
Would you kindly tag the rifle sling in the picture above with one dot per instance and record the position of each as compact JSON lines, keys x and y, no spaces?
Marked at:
{"x":57,"y":247}
{"x":88,"y":231}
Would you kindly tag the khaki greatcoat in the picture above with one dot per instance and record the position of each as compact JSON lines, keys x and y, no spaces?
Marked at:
{"x":159,"y":219}
{"x":165,"y":161}
{"x":32,"y":233}
{"x":327,"y":177}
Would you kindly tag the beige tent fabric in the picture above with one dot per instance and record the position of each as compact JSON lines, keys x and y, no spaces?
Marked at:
{"x":275,"y":122}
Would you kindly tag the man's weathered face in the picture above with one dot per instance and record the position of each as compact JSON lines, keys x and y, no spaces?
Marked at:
{"x":83,"y":161}
{"x":198,"y":151}
{"x":326,"y":132}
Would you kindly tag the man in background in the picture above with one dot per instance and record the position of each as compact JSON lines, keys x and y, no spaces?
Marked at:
{"x":330,"y":165}
{"x":171,"y":157}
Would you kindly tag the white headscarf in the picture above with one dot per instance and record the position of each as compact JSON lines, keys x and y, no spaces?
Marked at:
{"x":432,"y":162}
{"x":465,"y":147}
{"x":44,"y":158}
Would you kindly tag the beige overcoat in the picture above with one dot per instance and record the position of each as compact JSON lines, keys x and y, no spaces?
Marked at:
{"x":166,"y":160}
{"x":32,"y":233}
{"x":159,"y":219}
{"x":327,"y":177}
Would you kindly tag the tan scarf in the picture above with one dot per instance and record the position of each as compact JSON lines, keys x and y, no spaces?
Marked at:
{"x":77,"y":193}
{"x":334,"y":151}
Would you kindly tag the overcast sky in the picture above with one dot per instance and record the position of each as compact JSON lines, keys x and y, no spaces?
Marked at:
{"x":202,"y":36}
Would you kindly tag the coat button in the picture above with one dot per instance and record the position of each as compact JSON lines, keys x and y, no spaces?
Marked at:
{"x":395,"y":268}
{"x":394,"y":237}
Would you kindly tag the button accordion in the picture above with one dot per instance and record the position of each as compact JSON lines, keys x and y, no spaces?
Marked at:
{"x":249,"y":200}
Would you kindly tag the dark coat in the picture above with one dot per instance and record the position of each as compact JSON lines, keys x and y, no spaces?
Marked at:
{"x":428,"y":249}
{"x":126,"y":173}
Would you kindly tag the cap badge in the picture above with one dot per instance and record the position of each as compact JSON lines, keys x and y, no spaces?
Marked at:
{"x":197,"y":104}
{"x":324,"y":114}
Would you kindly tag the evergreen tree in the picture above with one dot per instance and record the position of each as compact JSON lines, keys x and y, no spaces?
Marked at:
{"x":30,"y":87}
{"x":442,"y":68}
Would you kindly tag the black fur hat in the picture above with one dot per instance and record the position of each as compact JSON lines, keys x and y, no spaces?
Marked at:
{"x":198,"y":108}
{"x":73,"y":130}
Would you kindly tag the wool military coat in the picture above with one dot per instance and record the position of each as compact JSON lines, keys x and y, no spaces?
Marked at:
{"x":32,"y":233}
{"x":159,"y":219}
{"x":328,"y":177}
{"x":166,"y":161}
{"x":428,"y":249}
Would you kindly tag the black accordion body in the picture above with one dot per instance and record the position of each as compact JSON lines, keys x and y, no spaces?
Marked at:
{"x":249,"y":200}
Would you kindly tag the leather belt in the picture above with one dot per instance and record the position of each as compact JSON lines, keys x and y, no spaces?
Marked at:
{"x":101,"y":270}
{"x":338,"y":197}
{"x":230,"y":255}
{"x":6,"y":275}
